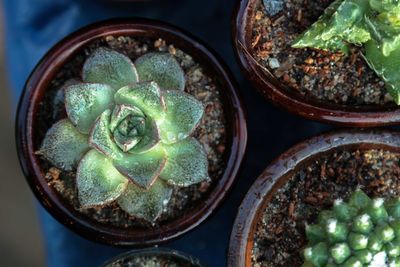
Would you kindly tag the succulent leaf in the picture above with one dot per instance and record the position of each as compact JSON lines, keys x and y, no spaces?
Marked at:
{"x":84,"y":102}
{"x":64,"y":145}
{"x":183,"y":114}
{"x":161,"y":68}
{"x":366,"y":236}
{"x":186,"y":163}
{"x":100,"y":137}
{"x":109,"y":67}
{"x":375,"y":24}
{"x":145,"y":95}
{"x":97,"y":180}
{"x":144,"y":168}
{"x":145,"y":204}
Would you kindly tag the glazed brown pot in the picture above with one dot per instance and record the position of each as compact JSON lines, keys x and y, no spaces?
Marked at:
{"x":27,"y":122}
{"x":272,"y":89}
{"x":165,"y":253}
{"x":279,"y":172}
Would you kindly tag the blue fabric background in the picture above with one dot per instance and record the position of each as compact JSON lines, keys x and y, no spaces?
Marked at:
{"x":33,"y":26}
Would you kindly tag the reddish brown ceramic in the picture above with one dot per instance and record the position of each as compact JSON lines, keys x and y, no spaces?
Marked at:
{"x":279,"y":171}
{"x":277,"y":93}
{"x":36,"y":87}
{"x":165,"y":253}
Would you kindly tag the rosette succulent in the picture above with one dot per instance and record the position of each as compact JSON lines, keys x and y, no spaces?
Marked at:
{"x":357,"y":233}
{"x":374,"y":24}
{"x":128,"y":132}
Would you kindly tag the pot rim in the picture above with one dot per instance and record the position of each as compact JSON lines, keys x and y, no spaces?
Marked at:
{"x":281,"y":169}
{"x":156,"y":251}
{"x":272,"y":89}
{"x":37,"y":84}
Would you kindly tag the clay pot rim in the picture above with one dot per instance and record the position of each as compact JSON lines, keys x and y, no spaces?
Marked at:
{"x":280,"y":95}
{"x":49,"y":66}
{"x":281,"y":169}
{"x":156,"y":252}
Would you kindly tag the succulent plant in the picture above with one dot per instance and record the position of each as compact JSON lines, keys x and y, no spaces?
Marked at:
{"x":374,"y":24}
{"x":129,"y":131}
{"x":357,"y":233}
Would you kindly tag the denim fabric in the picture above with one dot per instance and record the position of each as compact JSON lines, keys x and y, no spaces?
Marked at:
{"x":33,"y":26}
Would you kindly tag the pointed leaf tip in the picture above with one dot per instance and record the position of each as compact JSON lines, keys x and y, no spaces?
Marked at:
{"x":142,"y":169}
{"x":63,"y":145}
{"x":109,"y":67}
{"x":161,"y":68}
{"x":84,"y":102}
{"x":97,"y":180}
{"x":146,"y":204}
{"x":183,"y":114}
{"x":186,"y":163}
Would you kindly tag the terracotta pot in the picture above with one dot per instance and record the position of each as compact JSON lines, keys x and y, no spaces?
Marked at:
{"x":27,"y":122}
{"x":272,"y":89}
{"x":279,"y":172}
{"x":165,"y":253}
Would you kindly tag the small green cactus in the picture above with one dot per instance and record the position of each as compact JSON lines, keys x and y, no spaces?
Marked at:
{"x":357,"y":233}
{"x":375,"y":24}
{"x":128,"y":130}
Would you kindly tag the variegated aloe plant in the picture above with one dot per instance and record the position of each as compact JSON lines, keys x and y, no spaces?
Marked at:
{"x":375,"y":24}
{"x":128,"y":130}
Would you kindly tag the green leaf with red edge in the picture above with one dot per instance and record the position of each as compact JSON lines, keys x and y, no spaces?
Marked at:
{"x":109,"y":67}
{"x":183,"y":114}
{"x":186,"y":163}
{"x":161,"y":68}
{"x":142,"y":169}
{"x":84,"y":102}
{"x":97,"y":180}
{"x":146,"y":204}
{"x":64,"y":145}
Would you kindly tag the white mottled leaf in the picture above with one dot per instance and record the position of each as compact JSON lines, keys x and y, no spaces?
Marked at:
{"x":97,"y":180}
{"x":186,"y":163}
{"x":109,"y":67}
{"x":145,"y":204}
{"x":182,"y":116}
{"x":84,"y":102}
{"x":64,"y":145}
{"x":161,"y":68}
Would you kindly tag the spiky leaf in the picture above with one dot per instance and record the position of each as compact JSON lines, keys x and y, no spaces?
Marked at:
{"x":186,"y":163}
{"x":97,"y":180}
{"x":84,"y":102}
{"x":161,"y":68}
{"x":100,"y":137}
{"x":145,"y":95}
{"x":63,"y":145}
{"x":109,"y":67}
{"x":144,"y":168}
{"x":385,"y":67}
{"x":145,"y":204}
{"x":182,"y":116}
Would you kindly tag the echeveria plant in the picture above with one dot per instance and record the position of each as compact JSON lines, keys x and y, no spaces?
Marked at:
{"x":128,"y":129}
{"x":357,"y":233}
{"x":375,"y":24}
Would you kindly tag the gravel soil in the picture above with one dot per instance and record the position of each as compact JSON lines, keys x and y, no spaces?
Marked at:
{"x":319,"y":75}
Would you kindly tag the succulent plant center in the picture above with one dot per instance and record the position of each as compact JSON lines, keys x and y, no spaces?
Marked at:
{"x":129,"y":126}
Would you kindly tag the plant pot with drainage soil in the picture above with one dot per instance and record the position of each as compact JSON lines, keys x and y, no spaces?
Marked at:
{"x":304,"y":182}
{"x":130,"y":132}
{"x":157,"y":257}
{"x":339,"y":69}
